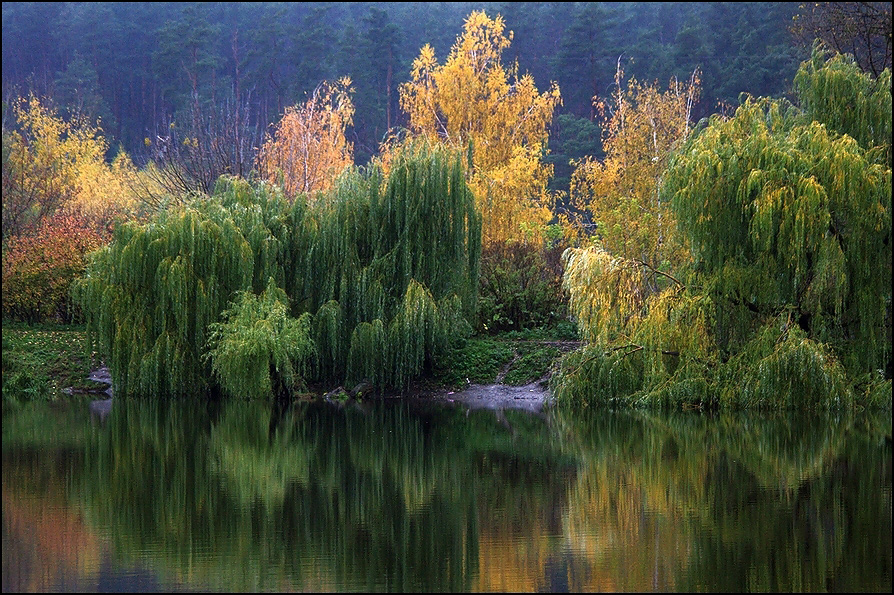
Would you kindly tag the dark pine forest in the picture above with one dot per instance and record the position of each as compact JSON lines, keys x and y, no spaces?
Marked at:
{"x":138,"y":66}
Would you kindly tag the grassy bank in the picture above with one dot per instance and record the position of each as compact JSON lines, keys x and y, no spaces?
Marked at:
{"x":41,"y":360}
{"x":504,"y":359}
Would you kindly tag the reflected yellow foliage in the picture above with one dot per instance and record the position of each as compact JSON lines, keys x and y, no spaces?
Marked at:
{"x":507,"y":565}
{"x":262,"y":497}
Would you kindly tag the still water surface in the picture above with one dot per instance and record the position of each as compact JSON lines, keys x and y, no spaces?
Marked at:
{"x":416,"y":497}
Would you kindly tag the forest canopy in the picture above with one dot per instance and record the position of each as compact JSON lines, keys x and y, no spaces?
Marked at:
{"x":139,"y":66}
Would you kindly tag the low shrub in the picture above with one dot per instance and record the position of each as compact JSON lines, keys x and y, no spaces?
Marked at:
{"x":520,"y":286}
{"x":38,"y":269}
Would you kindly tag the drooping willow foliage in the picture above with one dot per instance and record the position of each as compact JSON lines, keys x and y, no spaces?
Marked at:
{"x":642,"y":348}
{"x":833,"y":90}
{"x":378,"y":274}
{"x":788,"y":303}
{"x":258,"y":349}
{"x":151,"y":294}
{"x":389,"y":269}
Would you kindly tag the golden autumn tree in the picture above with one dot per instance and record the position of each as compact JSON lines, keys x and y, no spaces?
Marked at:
{"x":50,"y":164}
{"x":308,"y":148}
{"x":621,"y":192}
{"x":60,"y":197}
{"x":474,"y":102}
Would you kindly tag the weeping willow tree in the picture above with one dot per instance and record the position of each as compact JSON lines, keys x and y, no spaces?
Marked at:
{"x":787,"y":211}
{"x":833,"y":90}
{"x":390,"y":267}
{"x":255,"y":349}
{"x":254,"y":294}
{"x":151,"y":294}
{"x":642,"y":347}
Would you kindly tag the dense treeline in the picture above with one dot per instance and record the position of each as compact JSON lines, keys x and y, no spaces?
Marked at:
{"x":720,"y":251}
{"x":140,"y":65}
{"x":247,"y":291}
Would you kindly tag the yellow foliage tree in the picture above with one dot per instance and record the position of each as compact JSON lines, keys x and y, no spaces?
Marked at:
{"x":308,"y":148}
{"x":621,"y":193}
{"x":50,"y":164}
{"x":472,"y":99}
{"x":106,"y":190}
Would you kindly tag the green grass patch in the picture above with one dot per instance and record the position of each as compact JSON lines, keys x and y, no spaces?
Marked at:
{"x":475,"y":360}
{"x":532,"y":363}
{"x":488,"y":360}
{"x":563,"y":330}
{"x":39,"y":361}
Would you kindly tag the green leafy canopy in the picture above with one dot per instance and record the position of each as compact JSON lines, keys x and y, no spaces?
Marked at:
{"x":787,"y":301}
{"x":248,"y":292}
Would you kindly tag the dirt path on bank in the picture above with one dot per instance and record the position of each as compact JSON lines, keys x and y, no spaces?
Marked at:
{"x":533,"y":397}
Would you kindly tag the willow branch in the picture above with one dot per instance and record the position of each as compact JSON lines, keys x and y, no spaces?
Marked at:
{"x":662,"y":273}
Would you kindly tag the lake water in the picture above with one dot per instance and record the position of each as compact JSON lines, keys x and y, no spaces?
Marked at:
{"x":413,"y":496}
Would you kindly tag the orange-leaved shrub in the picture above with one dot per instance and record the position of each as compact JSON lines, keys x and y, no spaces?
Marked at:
{"x":38,"y":268}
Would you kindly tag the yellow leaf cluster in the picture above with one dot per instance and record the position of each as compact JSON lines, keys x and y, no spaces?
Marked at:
{"x":605,"y":293}
{"x":308,"y":148}
{"x":472,"y":99}
{"x":106,"y":189}
{"x":643,"y":125}
{"x":61,"y":164}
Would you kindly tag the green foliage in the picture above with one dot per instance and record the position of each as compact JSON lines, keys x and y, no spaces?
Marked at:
{"x":152,"y":293}
{"x":486,"y":360}
{"x":520,"y":286}
{"x":389,"y":267}
{"x":833,"y":90}
{"x":531,"y":365}
{"x":476,"y":360}
{"x":563,"y":330}
{"x":806,"y":218}
{"x":571,"y":138}
{"x":788,"y":304}
{"x":20,"y":380}
{"x":258,"y":349}
{"x":373,"y":278}
{"x":784,"y":370}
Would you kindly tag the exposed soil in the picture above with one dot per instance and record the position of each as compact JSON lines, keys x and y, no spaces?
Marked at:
{"x":496,"y":396}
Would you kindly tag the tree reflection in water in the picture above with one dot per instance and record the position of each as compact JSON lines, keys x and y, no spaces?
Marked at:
{"x":404,"y":496}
